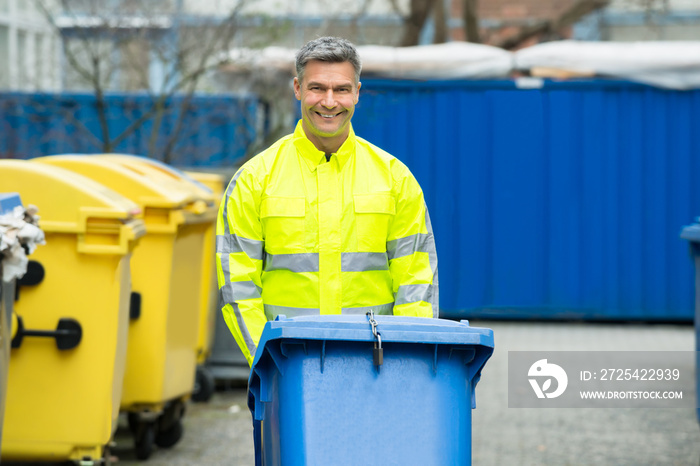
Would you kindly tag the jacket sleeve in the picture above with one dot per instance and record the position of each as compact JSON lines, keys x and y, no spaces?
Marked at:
{"x":239,"y":256}
{"x":412,"y":253}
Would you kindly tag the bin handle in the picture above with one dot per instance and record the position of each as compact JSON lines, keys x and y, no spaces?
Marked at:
{"x":35,"y":275}
{"x":68,"y":333}
{"x":134,"y":305}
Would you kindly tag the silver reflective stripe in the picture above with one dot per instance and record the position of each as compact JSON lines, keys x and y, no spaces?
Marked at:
{"x":229,"y":190}
{"x":304,"y":262}
{"x":381,"y":309}
{"x":235,"y":291}
{"x":226,"y":244}
{"x":308,"y":262}
{"x":364,"y":261}
{"x":238,"y":291}
{"x":226,"y":270}
{"x":245,"y":334}
{"x":272,"y":311}
{"x":414,"y":293}
{"x":401,"y":247}
{"x":229,"y":244}
{"x":225,"y":265}
{"x":432,"y":256}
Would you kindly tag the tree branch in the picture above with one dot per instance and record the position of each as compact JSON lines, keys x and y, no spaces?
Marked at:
{"x":415,"y":21}
{"x":440,"y":18}
{"x":471,"y":20}
{"x":569,"y":17}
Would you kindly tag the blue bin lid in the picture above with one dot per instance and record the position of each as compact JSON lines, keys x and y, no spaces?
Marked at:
{"x":8,"y":202}
{"x":393,"y":329}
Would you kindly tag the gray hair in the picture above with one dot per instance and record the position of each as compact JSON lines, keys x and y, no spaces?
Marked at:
{"x":331,"y":50}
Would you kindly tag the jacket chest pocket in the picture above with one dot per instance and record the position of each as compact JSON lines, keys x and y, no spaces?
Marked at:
{"x":373,"y":215}
{"x":283,"y":221}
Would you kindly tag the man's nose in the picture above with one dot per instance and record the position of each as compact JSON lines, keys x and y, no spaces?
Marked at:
{"x":328,"y":99}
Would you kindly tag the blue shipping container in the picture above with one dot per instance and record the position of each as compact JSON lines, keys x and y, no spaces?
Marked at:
{"x":558,"y":202}
{"x":214,"y":131}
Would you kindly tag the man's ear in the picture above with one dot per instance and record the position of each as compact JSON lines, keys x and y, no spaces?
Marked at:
{"x":297,"y":88}
{"x":357,"y":94}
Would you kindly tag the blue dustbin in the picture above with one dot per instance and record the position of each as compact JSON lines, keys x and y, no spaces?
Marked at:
{"x":318,"y":399}
{"x":692,"y":234}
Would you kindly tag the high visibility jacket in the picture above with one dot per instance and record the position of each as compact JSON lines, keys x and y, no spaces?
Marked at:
{"x":299,"y":235}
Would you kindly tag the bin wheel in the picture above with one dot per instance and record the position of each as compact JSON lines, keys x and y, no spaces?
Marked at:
{"x":134,"y":423}
{"x":204,"y":385}
{"x":107,"y":458}
{"x":143,"y":442}
{"x":170,"y":436}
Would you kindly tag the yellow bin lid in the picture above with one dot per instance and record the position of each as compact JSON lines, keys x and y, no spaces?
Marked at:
{"x":165,"y":174}
{"x":165,"y":204}
{"x":71,"y":203}
{"x":214,"y":181}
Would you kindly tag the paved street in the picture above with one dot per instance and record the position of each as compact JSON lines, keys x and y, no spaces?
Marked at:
{"x":503,"y":436}
{"x":216,"y":433}
{"x":219,"y":432}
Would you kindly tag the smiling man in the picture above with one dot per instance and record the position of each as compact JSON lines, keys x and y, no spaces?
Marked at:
{"x":328,"y":99}
{"x":323,"y":222}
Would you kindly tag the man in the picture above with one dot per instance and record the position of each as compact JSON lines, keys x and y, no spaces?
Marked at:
{"x":323,"y":222}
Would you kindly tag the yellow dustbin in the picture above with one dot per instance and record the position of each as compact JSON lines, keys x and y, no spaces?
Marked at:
{"x":166,"y":267}
{"x":209,"y":188}
{"x":205,"y":384}
{"x":225,"y":360}
{"x":216,"y":184}
{"x":69,"y":351}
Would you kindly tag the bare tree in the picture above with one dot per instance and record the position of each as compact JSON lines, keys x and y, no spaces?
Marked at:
{"x":413,"y":23}
{"x":357,"y":16}
{"x":471,"y":20}
{"x":420,"y":10}
{"x":145,"y":45}
{"x":440,"y":18}
{"x":571,"y":15}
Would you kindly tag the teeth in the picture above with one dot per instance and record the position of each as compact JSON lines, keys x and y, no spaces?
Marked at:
{"x":326,"y":116}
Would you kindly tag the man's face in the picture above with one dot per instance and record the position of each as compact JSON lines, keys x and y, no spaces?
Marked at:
{"x":328,"y":96}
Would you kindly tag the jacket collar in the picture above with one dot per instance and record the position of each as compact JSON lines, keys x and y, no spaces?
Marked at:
{"x":314,"y":157}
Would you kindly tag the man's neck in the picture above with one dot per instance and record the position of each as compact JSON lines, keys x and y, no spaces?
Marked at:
{"x":326,"y":145}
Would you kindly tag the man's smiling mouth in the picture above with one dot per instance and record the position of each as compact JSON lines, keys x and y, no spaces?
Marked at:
{"x":327,"y":116}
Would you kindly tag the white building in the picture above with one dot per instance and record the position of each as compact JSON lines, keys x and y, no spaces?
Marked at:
{"x":29,"y":48}
{"x":33,"y":58}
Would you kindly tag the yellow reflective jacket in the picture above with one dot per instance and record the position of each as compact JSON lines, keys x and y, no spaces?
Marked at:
{"x":298,"y":235}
